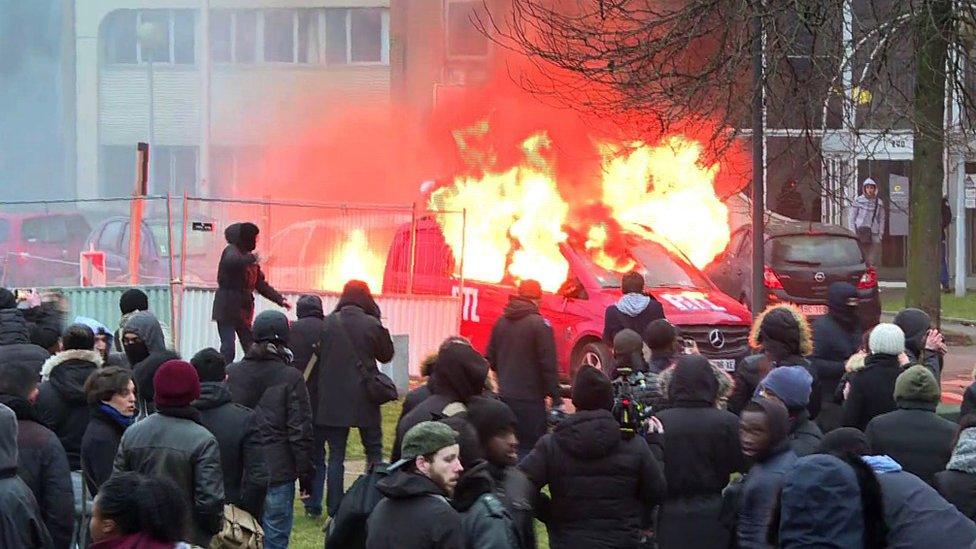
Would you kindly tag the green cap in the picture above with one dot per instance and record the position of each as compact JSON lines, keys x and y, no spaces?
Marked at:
{"x":425,"y":438}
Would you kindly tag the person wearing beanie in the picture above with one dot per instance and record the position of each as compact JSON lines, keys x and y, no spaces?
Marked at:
{"x":236,"y":431}
{"x":781,"y":334}
{"x":923,"y":343}
{"x":522,"y":352}
{"x":913,"y":435}
{"x":792,"y":385}
{"x":871,"y":389}
{"x":764,"y":434}
{"x":662,"y":338}
{"x":601,"y":483}
{"x":61,"y":403}
{"x":133,"y":301}
{"x":701,"y":451}
{"x":634,"y":310}
{"x":239,"y":275}
{"x":172,"y":444}
{"x":354,"y":341}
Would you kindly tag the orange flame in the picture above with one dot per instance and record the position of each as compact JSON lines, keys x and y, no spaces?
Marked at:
{"x":353,"y":260}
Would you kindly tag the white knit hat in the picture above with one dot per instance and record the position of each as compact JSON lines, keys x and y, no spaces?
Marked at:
{"x":887,"y":339}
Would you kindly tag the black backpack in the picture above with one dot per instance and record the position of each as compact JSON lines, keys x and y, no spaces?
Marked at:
{"x":347,"y":529}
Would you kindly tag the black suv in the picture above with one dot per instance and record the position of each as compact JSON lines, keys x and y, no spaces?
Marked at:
{"x":802,"y":260}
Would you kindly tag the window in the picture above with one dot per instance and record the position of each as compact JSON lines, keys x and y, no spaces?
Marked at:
{"x":279,"y":36}
{"x":117,"y":170}
{"x":174,"y":170}
{"x":366,"y":33}
{"x":221,"y":36}
{"x":110,"y":237}
{"x":463,"y":37}
{"x":245,"y":36}
{"x":168,"y":36}
{"x":309,"y":37}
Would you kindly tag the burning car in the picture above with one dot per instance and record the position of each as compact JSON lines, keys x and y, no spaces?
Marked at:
{"x":717,"y":323}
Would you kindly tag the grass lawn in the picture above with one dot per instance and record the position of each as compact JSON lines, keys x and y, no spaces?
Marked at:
{"x":893,"y":300}
{"x":307,"y":533}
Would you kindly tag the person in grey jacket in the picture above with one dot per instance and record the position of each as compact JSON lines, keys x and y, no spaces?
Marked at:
{"x":868,"y":212}
{"x":21,"y":524}
{"x":173,"y":444}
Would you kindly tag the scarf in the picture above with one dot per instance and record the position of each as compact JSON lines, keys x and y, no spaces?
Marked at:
{"x":964,"y":455}
{"x":181,"y":412}
{"x":116,"y":415}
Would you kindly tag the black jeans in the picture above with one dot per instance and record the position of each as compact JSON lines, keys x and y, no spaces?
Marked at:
{"x":531,"y":416}
{"x":336,"y":437}
{"x":227,"y":330}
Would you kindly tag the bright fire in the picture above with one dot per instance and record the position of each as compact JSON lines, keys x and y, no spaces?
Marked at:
{"x":518,"y":217}
{"x":353,"y":260}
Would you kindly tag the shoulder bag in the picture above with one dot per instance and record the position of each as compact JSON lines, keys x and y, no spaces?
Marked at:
{"x":240,"y":530}
{"x":380,"y":389}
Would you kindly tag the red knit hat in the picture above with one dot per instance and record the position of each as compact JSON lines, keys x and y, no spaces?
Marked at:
{"x":176,"y":383}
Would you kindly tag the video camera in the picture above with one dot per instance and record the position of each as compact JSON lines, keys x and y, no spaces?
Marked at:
{"x":631,"y":402}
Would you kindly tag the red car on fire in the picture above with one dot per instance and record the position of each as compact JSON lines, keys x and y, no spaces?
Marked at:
{"x":717,"y":323}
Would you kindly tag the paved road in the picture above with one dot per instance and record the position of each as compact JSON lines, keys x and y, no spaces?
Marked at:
{"x":957,"y":373}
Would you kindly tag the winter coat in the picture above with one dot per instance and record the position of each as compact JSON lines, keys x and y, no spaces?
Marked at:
{"x":752,"y":369}
{"x":147,"y":328}
{"x":138,"y":540}
{"x":117,"y":336}
{"x":633,"y":311}
{"x":43,"y":466}
{"x":241,"y":455}
{"x":522,"y":351}
{"x":182,"y":450}
{"x":836,"y":337}
{"x":13,"y":327}
{"x":265,"y":383}
{"x":303,"y":341}
{"x":915,"y":324}
{"x":916,"y":515}
{"x":820,"y":506}
{"x":24,"y":354}
{"x":414,"y":513}
{"x":62,"y":404}
{"x":433,"y":408}
{"x":701,"y":451}
{"x":238,"y":277}
{"x":21,"y":522}
{"x":343,"y":401}
{"x":414,"y":397}
{"x":759,"y":491}
{"x":868,"y":212}
{"x":914,"y":436}
{"x":99,"y":447}
{"x":805,"y":435}
{"x":601,"y":485}
{"x":968,"y":400}
{"x":872,"y":390}
{"x":486,"y":522}
{"x":958,"y":482}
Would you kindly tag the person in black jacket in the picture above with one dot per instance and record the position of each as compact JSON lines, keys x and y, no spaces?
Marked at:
{"x":145,"y":349}
{"x":871,"y":389}
{"x":635,"y":309}
{"x":354,"y":340}
{"x":701,"y":451}
{"x":62,"y":404}
{"x":421,"y":393}
{"x":265,"y":382}
{"x":913,"y":435}
{"x":522,"y":351}
{"x":238,"y":276}
{"x":836,"y":336}
{"x":42,"y":463}
{"x":957,"y":483}
{"x":21,"y":524}
{"x":602,"y":484}
{"x":662,"y":339}
{"x":16,"y":344}
{"x":792,"y":386}
{"x":172,"y":444}
{"x":111,"y":395}
{"x":234,"y":427}
{"x":923,"y":343}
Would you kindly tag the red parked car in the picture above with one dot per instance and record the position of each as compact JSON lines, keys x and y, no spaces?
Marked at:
{"x":717,"y":323}
{"x":41,"y":249}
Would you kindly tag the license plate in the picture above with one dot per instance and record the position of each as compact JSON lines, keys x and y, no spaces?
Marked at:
{"x":727,"y":364}
{"x":813,"y":310}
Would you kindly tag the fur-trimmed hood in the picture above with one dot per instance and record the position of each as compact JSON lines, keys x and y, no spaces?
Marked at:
{"x":74,"y":354}
{"x":784,"y":324}
{"x":725,"y":385}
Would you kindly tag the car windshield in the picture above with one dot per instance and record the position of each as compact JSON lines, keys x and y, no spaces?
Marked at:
{"x":813,"y":250}
{"x":197,"y":242}
{"x":659,"y":267}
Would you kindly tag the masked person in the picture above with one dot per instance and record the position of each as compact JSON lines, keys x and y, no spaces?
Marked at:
{"x":145,"y":349}
{"x":239,"y":275}
{"x":836,"y":337}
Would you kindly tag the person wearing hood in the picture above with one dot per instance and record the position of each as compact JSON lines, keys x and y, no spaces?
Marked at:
{"x":111,"y":395}
{"x":628,"y":353}
{"x":701,"y":451}
{"x":16,"y":345}
{"x":522,"y":352}
{"x":792,"y":385}
{"x":415,"y":511}
{"x":634,"y":310}
{"x":131,"y":302}
{"x":866,"y":219}
{"x":915,"y":514}
{"x":913,"y":435}
{"x":266,"y":383}
{"x":764,"y":434}
{"x":236,"y":431}
{"x":45,"y":323}
{"x":923,"y":344}
{"x":662,"y":339}
{"x":459,"y":379}
{"x":104,"y":341}
{"x":304,"y":341}
{"x":958,"y":482}
{"x":172,"y":444}
{"x":871,"y":388}
{"x":421,"y":393}
{"x":836,"y":336}
{"x":602,"y":484}
{"x":145,"y":349}
{"x":21,"y":523}
{"x":239,"y":275}
{"x":42,"y":463}
{"x":353,"y":341}
{"x":61,"y":403}
{"x":782,"y":334}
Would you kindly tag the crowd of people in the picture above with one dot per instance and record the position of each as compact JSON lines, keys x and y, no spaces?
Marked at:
{"x":826,"y":436}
